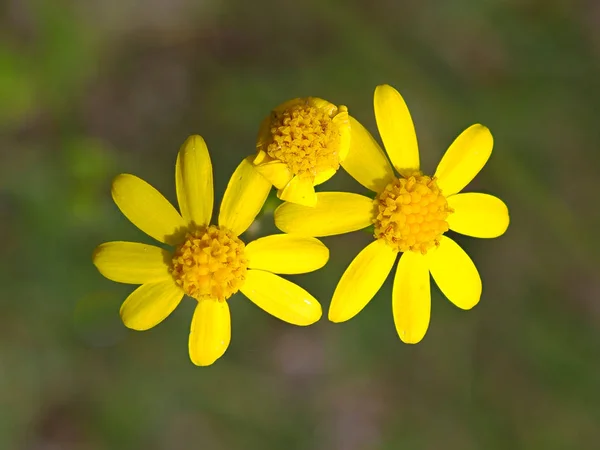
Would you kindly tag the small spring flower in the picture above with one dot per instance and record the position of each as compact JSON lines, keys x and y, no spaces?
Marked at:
{"x":208,"y":262}
{"x":300,"y":145}
{"x":410,"y":214}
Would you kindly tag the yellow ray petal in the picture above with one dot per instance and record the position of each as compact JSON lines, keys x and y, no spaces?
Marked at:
{"x":278,"y":173}
{"x":411,"y":297}
{"x":396,"y":129}
{"x":244,"y":197}
{"x":335,"y":213}
{"x":150,"y":304}
{"x":342,"y":120}
{"x":286,"y":254}
{"x":360,"y":282}
{"x":194,"y":181}
{"x":455,"y":274}
{"x":323,"y":176}
{"x":263,"y":139}
{"x":210,"y":333}
{"x":478,"y":215}
{"x":366,"y":162}
{"x":465,"y":157}
{"x":131,"y":262}
{"x":147,"y":209}
{"x":319,"y":103}
{"x":281,"y":298}
{"x":313,"y":101}
{"x":299,"y":190}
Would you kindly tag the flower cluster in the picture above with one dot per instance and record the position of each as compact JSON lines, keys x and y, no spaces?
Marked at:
{"x":301,"y":144}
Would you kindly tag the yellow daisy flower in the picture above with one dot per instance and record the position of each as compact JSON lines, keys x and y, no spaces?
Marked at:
{"x":300,"y":145}
{"x":410,"y":213}
{"x":209,"y":262}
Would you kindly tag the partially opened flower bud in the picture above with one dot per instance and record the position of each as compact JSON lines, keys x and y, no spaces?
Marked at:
{"x":301,"y":144}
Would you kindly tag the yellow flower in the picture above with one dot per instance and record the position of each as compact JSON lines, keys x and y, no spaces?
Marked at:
{"x":410,"y":214}
{"x":209,"y":262}
{"x":300,"y":145}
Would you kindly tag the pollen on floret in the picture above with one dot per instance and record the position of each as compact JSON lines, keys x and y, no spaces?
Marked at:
{"x":411,"y":214}
{"x":210,"y":264}
{"x":306,"y":138}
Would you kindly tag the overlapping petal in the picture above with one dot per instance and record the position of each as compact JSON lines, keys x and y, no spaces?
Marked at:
{"x":342,"y":121}
{"x":455,"y":274}
{"x":299,"y":190}
{"x":194,"y":181}
{"x":334,"y":213}
{"x":323,"y":176}
{"x":147,"y":209}
{"x":318,"y":103}
{"x":396,"y":129}
{"x":286,"y":254}
{"x":366,"y":162}
{"x":210,"y":332}
{"x":362,"y":279}
{"x":463,"y":160}
{"x":478,"y":215}
{"x":263,"y":139}
{"x":411,"y":297}
{"x":244,"y":197}
{"x":150,"y":304}
{"x":132,"y":262}
{"x":277,"y":172}
{"x":281,"y":298}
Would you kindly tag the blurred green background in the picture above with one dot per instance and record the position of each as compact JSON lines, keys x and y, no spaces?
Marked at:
{"x":92,"y":89}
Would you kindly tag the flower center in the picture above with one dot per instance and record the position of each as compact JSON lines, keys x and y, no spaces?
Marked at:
{"x":411,"y":214}
{"x":305,"y":138}
{"x":210,"y":264}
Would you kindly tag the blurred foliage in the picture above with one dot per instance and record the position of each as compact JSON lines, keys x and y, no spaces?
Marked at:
{"x":92,"y":89}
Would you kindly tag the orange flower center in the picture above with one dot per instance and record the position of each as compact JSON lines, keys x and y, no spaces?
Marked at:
{"x":305,"y":138}
{"x":210,"y":264}
{"x":411,"y":214}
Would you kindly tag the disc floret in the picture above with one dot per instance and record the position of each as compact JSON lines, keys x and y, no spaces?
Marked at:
{"x":411,"y":214}
{"x":210,"y":264}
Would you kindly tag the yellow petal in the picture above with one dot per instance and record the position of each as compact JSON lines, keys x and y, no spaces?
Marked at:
{"x":194,"y":181}
{"x":313,"y":101}
{"x":281,"y":298}
{"x":342,"y":121}
{"x":366,"y":162}
{"x":362,"y":279}
{"x":300,"y":191}
{"x":478,"y":215}
{"x":244,"y":197}
{"x":335,"y":213}
{"x":323,"y":176}
{"x":147,"y":209}
{"x":263,"y":139}
{"x":412,"y":297}
{"x":278,"y":173}
{"x":131,"y":262}
{"x":150,"y":304}
{"x":455,"y":274}
{"x":286,"y":254}
{"x":319,"y":103}
{"x":464,"y":159}
{"x":396,"y":129}
{"x":210,"y":333}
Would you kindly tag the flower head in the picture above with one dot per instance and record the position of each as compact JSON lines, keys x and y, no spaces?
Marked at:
{"x":410,"y":214}
{"x":208,"y":262}
{"x":301,"y":144}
